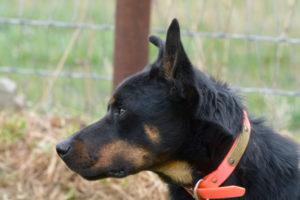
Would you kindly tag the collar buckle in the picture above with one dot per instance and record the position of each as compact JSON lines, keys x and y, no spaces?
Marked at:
{"x":195,"y":194}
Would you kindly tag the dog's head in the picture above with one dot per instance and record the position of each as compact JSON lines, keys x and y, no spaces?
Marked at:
{"x":148,"y":119}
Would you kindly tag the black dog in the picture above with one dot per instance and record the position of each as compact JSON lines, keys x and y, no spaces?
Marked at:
{"x":174,"y":120}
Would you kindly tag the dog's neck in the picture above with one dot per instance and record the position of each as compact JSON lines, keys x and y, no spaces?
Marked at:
{"x":175,"y":171}
{"x":197,"y":160}
{"x":205,"y":146}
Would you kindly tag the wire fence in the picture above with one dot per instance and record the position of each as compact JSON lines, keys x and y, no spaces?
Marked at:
{"x":252,"y":44}
{"x":103,"y":27}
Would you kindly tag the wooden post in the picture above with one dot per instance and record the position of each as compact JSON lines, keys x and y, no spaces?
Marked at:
{"x":131,"y":33}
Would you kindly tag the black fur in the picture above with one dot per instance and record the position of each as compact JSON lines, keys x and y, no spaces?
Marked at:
{"x":197,"y":119}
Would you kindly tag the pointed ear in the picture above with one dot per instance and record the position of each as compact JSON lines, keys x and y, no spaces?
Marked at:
{"x":172,"y":49}
{"x":176,"y":66}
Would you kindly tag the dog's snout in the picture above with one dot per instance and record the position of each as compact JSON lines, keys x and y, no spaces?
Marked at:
{"x":63,"y":147}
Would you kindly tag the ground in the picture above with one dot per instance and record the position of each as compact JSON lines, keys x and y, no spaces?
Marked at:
{"x":31,"y":169}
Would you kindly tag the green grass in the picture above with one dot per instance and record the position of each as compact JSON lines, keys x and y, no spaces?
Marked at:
{"x":12,"y":128}
{"x":238,"y":62}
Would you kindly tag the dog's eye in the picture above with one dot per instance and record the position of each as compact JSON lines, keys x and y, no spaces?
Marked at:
{"x":121,"y":111}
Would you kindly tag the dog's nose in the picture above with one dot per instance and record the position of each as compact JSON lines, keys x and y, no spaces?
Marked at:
{"x":63,"y":147}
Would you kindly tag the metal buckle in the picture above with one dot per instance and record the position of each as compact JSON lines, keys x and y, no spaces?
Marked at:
{"x":195,"y":190}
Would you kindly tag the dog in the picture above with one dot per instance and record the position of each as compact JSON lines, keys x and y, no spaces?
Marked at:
{"x":179,"y":123}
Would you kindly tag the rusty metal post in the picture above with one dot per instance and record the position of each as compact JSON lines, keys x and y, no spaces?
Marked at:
{"x":131,"y":44}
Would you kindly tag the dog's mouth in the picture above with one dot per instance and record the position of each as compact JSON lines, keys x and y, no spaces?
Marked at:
{"x":113,"y":174}
{"x":118,"y":173}
{"x":95,"y":174}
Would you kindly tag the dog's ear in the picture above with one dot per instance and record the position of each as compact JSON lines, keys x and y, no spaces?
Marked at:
{"x":176,"y":67}
{"x":160,"y":44}
{"x":204,"y":102}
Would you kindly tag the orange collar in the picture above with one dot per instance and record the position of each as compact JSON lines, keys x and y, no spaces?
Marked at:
{"x":209,"y":186}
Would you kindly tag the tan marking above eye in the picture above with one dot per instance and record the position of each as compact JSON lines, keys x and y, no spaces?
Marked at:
{"x":152,"y":133}
{"x":121,"y":149}
{"x":179,"y":171}
{"x":112,"y":101}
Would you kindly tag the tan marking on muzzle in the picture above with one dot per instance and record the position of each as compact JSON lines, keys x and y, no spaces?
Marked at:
{"x":81,"y":153}
{"x":80,"y":149}
{"x":179,"y":171}
{"x":120,"y":149}
{"x":152,"y":133}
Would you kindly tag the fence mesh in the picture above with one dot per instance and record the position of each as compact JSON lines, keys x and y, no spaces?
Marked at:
{"x":253,"y":45}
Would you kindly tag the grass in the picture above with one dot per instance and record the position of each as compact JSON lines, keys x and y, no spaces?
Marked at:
{"x":12,"y":128}
{"x":238,"y":62}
